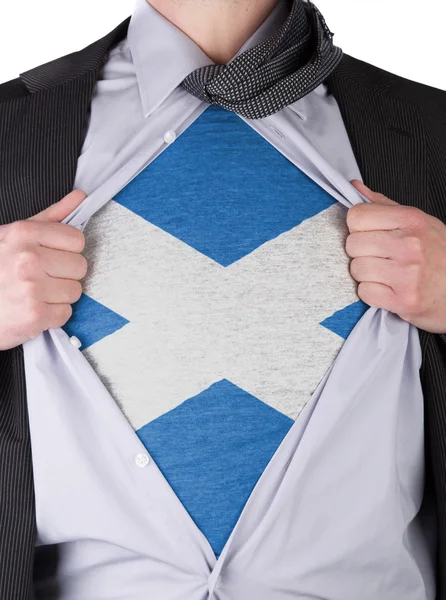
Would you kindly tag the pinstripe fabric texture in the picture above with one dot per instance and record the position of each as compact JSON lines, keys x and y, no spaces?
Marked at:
{"x":40,"y":168}
{"x":275,"y":73}
{"x":398,"y":133}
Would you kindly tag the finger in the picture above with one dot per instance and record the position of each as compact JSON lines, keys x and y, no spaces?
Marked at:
{"x":56,"y":315}
{"x":60,"y":210}
{"x":378,"y":295}
{"x":56,"y":212}
{"x":58,"y":236}
{"x":51,"y":316}
{"x":375,"y":197}
{"x":376,"y":217}
{"x":374,"y":270}
{"x":63,"y":265}
{"x":61,"y":291}
{"x":380,"y":244}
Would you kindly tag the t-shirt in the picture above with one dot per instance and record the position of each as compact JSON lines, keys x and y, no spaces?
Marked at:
{"x":211,"y":309}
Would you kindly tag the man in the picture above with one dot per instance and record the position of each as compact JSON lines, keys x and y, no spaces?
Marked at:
{"x":279,"y":447}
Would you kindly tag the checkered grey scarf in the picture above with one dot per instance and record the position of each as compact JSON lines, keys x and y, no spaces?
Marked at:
{"x":276,"y":73}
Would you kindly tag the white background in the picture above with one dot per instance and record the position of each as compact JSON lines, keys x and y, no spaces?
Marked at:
{"x":406,"y":37}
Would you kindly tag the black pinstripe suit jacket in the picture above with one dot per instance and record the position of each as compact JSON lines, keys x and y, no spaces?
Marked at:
{"x":397,"y":129}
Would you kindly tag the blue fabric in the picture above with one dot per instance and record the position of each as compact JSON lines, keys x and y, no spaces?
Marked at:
{"x":343,"y":321}
{"x":221,"y":435}
{"x":199,"y":192}
{"x":91,"y":321}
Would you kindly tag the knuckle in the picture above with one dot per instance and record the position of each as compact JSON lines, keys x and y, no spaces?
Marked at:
{"x":414,"y":249}
{"x":34,"y":315}
{"x":29,"y":290}
{"x":26,"y":263}
{"x":415,"y":218}
{"x":415,"y":276}
{"x":20,"y":229}
{"x":412,"y":301}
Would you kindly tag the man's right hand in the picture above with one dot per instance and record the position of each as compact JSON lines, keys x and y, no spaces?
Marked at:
{"x":40,"y":268}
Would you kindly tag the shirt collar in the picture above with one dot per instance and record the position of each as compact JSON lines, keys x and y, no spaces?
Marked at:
{"x":163,"y":55}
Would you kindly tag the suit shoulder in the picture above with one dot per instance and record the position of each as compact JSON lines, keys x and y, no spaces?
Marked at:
{"x":65,"y":68}
{"x":377,"y":78}
{"x":16,"y":88}
{"x":420,"y":93}
{"x":430,"y":100}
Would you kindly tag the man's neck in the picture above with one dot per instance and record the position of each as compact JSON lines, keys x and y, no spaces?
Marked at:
{"x":218,"y":27}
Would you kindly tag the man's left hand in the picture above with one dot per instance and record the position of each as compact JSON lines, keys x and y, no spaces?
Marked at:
{"x":399,"y":259}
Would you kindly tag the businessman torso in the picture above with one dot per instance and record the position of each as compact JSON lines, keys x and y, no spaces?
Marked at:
{"x":397,"y":129}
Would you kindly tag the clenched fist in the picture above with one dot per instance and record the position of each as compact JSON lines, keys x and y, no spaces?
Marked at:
{"x":40,"y":268}
{"x":399,"y":259}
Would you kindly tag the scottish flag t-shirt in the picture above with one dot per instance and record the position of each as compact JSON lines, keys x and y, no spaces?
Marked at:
{"x":217,"y":297}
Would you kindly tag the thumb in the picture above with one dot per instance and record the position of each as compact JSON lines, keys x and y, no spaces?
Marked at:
{"x":374,"y":197}
{"x":60,"y":210}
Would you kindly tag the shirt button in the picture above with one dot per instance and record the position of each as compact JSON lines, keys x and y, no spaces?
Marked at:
{"x":75,"y":341}
{"x":142,"y":460}
{"x":170,"y":136}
